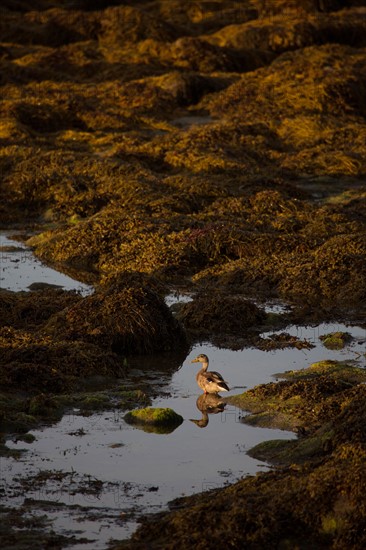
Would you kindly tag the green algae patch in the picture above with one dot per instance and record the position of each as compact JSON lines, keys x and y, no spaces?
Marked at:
{"x":158,"y":420}
{"x":120,"y":399}
{"x":128,"y":399}
{"x":89,"y":402}
{"x":336,"y":340}
{"x":275,"y":451}
{"x":26,"y":438}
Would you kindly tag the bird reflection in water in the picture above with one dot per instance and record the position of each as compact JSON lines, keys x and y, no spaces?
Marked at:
{"x":208,"y":403}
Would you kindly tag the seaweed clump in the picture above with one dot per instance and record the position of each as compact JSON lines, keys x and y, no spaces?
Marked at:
{"x":50,"y":339}
{"x":211,"y":314}
{"x":282,"y":341}
{"x":122,"y":317}
{"x":28,"y":310}
{"x":307,"y":399}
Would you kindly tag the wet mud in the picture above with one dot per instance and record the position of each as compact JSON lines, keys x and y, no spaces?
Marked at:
{"x":215,"y":148}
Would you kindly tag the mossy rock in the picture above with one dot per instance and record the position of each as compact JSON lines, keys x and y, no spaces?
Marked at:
{"x":157,"y":420}
{"x":336,"y":340}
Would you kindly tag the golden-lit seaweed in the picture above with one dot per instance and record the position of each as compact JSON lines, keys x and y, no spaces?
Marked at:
{"x":265,"y":243}
{"x":218,"y":145}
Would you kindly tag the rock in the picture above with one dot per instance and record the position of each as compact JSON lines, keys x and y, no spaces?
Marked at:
{"x":158,"y":420}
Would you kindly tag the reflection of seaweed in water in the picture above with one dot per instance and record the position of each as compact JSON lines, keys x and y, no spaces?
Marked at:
{"x":208,"y":403}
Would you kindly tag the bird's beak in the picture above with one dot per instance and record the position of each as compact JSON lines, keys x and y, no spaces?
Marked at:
{"x":195,"y":360}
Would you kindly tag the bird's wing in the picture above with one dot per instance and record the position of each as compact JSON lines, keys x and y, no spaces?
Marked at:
{"x":216,"y":376}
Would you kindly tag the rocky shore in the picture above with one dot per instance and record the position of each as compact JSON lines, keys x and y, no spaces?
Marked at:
{"x":213,"y":147}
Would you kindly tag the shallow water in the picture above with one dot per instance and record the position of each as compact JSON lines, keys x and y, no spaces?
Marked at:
{"x":19,"y":268}
{"x":140,"y":472}
{"x":103,"y":474}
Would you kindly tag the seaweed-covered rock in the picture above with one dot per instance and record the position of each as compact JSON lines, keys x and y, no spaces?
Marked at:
{"x":47,"y":117}
{"x":288,"y":81}
{"x":309,"y":397}
{"x":124,"y":317}
{"x":335,"y":340}
{"x":121,"y":25}
{"x":37,"y":363}
{"x":28,"y":309}
{"x":335,"y":272}
{"x":152,"y":416}
{"x":293,"y":30}
{"x":214,"y":313}
{"x":267,"y":244}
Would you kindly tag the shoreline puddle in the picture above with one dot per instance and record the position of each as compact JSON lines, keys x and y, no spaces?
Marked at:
{"x":95,"y":476}
{"x":111,"y":474}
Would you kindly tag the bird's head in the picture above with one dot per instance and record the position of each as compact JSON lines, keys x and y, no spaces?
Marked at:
{"x":201,"y":358}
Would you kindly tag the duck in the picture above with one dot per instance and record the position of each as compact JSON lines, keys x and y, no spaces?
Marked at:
{"x":209,"y":382}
